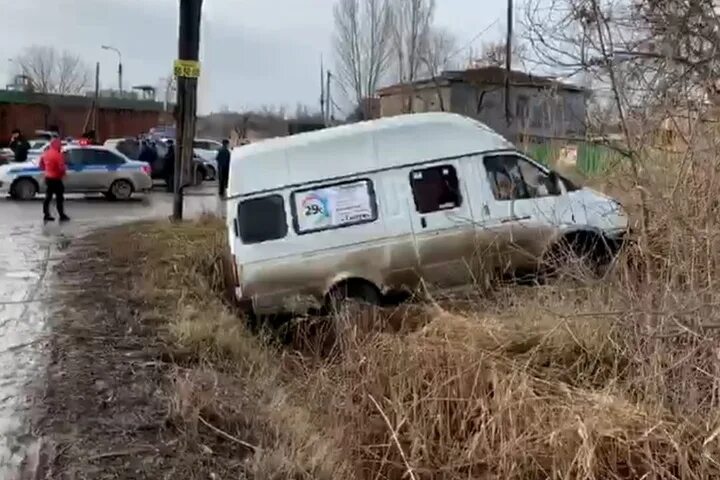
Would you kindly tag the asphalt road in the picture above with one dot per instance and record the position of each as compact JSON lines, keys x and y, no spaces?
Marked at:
{"x":27,"y":252}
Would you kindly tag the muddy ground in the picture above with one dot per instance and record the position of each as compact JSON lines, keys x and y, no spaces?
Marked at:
{"x":104,"y":409}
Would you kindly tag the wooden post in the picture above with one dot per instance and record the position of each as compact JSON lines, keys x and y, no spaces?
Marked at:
{"x":96,"y":106}
{"x":328,"y":100}
{"x":188,"y":49}
{"x":322,"y":90}
{"x":508,"y":60}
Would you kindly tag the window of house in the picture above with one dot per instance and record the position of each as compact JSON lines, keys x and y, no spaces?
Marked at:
{"x":537,"y":119}
{"x":435,"y":188}
{"x":522,"y":108}
{"x":262,"y":219}
{"x":338,"y":205}
{"x":512,"y":177}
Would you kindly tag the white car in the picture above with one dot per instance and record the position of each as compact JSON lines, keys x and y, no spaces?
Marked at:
{"x":207,"y":151}
{"x":90,"y":169}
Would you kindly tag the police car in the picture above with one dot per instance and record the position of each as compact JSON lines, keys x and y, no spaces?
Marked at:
{"x":90,"y":169}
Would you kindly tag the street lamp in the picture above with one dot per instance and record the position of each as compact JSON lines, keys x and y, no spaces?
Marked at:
{"x":108,"y":47}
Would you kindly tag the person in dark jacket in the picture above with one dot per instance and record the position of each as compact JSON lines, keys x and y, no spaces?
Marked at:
{"x":169,"y":167}
{"x":223,"y":163}
{"x":147,"y":153}
{"x":19,"y":146}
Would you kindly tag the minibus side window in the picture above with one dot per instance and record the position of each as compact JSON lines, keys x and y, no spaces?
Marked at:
{"x":262,"y":219}
{"x":435,"y":188}
{"x":514,"y":178}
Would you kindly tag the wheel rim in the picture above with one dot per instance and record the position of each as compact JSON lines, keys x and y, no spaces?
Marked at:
{"x":122,"y":190}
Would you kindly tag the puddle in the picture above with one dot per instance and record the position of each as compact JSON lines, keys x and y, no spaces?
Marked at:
{"x":27,"y":254}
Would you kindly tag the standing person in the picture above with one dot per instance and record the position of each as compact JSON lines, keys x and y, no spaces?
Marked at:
{"x":149,"y":155}
{"x":223,"y":163}
{"x":52,"y":163}
{"x":169,"y":167}
{"x":19,"y":146}
{"x":88,"y":138}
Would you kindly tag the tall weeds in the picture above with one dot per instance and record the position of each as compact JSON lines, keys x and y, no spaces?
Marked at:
{"x":618,"y":379}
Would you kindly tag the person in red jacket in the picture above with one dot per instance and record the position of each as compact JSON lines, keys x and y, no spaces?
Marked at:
{"x":52,"y":163}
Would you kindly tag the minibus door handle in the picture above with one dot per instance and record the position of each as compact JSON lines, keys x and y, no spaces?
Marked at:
{"x":423,"y":222}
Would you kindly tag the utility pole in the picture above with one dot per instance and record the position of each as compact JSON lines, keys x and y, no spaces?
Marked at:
{"x":91,"y":117}
{"x":187,"y":71}
{"x":328,"y":97}
{"x":96,"y":107}
{"x":508,"y":59}
{"x":322,"y":90}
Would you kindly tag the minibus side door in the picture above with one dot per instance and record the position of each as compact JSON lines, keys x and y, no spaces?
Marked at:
{"x":442,"y":223}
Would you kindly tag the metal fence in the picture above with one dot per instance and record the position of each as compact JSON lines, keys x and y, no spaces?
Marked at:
{"x":592,"y":159}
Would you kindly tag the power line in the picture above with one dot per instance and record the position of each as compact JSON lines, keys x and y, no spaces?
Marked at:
{"x":478,"y":35}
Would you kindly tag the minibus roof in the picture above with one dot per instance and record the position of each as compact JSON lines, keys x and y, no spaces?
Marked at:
{"x":360,"y":147}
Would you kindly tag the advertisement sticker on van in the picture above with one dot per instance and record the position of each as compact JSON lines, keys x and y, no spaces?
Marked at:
{"x":334,"y":206}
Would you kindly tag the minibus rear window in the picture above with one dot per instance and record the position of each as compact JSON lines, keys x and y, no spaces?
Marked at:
{"x":262,"y":219}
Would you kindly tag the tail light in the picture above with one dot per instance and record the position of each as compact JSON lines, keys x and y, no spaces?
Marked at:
{"x":146,"y":169}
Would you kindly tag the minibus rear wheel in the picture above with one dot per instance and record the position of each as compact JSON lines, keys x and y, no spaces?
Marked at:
{"x":353,"y":290}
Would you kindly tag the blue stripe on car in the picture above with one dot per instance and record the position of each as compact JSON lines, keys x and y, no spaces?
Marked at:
{"x":25,"y":170}
{"x":105,"y":168}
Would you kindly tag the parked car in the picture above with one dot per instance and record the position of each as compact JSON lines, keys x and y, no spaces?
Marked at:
{"x":130,"y":147}
{"x":46,"y":134}
{"x":38,"y":143}
{"x":203,"y":170}
{"x":39,"y":147}
{"x":207,"y":150}
{"x":363,"y":210}
{"x":6,"y":156}
{"x":90,"y":169}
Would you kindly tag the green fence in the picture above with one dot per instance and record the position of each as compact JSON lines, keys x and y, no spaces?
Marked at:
{"x":592,"y":159}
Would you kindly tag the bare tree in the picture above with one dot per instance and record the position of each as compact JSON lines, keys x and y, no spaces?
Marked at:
{"x":650,"y":62}
{"x":362,"y":45}
{"x":494,"y":53}
{"x":53,"y":72}
{"x":438,"y":51}
{"x":412,"y":25}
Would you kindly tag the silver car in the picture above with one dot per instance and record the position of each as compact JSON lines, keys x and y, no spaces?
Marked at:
{"x":90,"y":169}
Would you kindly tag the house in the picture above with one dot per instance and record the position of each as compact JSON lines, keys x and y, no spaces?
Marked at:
{"x":540,"y":107}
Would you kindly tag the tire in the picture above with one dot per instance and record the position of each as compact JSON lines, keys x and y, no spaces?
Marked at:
{"x":24,"y":189}
{"x":210,"y":174}
{"x":120,"y":190}
{"x":589,"y":252}
{"x":199,"y":176}
{"x":346,"y":293}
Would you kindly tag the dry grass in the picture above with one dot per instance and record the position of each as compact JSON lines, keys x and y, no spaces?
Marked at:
{"x":591,"y":381}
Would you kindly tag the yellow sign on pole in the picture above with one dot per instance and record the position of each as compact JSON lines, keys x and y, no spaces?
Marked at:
{"x":186,"y":68}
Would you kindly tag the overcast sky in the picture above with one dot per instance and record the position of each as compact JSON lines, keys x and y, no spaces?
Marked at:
{"x":255,"y":52}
